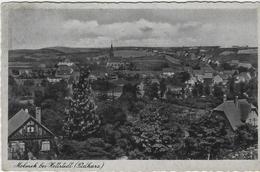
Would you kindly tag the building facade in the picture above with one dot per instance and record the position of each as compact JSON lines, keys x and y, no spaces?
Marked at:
{"x":28,"y":138}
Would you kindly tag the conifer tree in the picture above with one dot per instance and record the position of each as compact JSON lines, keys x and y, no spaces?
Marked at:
{"x":82,"y":119}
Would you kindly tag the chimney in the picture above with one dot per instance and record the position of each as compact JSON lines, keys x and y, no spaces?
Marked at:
{"x":224,"y":98}
{"x":236,"y":101}
{"x":38,"y":114}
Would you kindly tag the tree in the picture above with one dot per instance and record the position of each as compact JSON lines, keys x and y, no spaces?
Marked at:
{"x":195,"y":92}
{"x":131,"y":66}
{"x":199,"y":88}
{"x":130,"y":91}
{"x":208,"y":136}
{"x":28,"y":82}
{"x":82,"y":119}
{"x":218,"y":91}
{"x":53,"y":120}
{"x":252,"y":87}
{"x":151,"y":90}
{"x":231,"y":85}
{"x":39,"y":97}
{"x":57,"y":90}
{"x":111,"y":113}
{"x":153,"y":136}
{"x":242,"y":69}
{"x":226,"y":66}
{"x":162,"y":87}
{"x":239,"y":88}
{"x":207,"y":89}
{"x":184,"y":76}
{"x":245,"y":136}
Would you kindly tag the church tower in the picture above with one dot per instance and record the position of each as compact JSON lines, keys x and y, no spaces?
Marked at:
{"x":111,"y":52}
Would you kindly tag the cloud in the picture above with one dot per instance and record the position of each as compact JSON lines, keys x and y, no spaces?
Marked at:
{"x":146,"y":29}
{"x":59,"y":31}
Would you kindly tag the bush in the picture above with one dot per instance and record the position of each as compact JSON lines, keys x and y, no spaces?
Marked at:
{"x":246,"y":135}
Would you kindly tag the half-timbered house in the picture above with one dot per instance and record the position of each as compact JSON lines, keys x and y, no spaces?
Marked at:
{"x":28,"y":138}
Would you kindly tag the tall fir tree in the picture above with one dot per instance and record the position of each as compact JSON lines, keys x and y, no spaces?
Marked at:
{"x":82,"y":119}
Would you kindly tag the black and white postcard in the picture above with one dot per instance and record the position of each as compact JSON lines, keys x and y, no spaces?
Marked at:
{"x":87,"y":83}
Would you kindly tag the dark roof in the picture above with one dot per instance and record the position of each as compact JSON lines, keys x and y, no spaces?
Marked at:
{"x":235,"y":114}
{"x":19,"y":119}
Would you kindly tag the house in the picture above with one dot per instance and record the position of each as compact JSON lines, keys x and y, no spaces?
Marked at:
{"x":234,"y":62}
{"x":168,"y":72}
{"x":217,"y":79}
{"x":26,"y":100}
{"x":245,"y":65}
{"x":228,"y":72}
{"x":207,"y":69}
{"x":197,"y":72}
{"x":208,"y":78}
{"x":191,"y":81}
{"x":113,"y":77}
{"x":115,"y":92}
{"x":236,"y":113}
{"x":217,"y":63}
{"x":115,"y":64}
{"x":53,"y":79}
{"x":28,"y":138}
{"x":155,"y":80}
{"x":174,"y":88}
{"x":65,"y":69}
{"x":18,"y":68}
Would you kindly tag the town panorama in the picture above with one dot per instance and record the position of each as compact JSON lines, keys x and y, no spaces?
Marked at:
{"x":129,"y":85}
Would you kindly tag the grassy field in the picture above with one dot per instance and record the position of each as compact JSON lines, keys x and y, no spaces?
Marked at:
{"x":131,"y":53}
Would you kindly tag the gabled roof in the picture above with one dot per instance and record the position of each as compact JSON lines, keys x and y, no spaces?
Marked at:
{"x":235,"y":113}
{"x":19,"y":119}
{"x":218,"y":78}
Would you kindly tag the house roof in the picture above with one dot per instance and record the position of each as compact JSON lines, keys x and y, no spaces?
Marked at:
{"x":208,"y":75}
{"x":198,"y":72}
{"x":218,"y":78}
{"x":229,"y":72}
{"x":235,"y":114}
{"x":245,"y":65}
{"x":155,"y":80}
{"x":19,"y":119}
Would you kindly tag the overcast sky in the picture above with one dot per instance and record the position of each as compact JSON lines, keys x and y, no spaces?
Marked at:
{"x":132,"y":27}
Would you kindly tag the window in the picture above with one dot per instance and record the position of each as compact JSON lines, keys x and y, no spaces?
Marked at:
{"x":45,"y":146}
{"x":30,"y":129}
{"x":13,"y":147}
{"x":22,"y":146}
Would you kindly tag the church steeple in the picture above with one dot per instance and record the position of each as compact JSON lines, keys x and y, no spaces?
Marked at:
{"x":111,"y":53}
